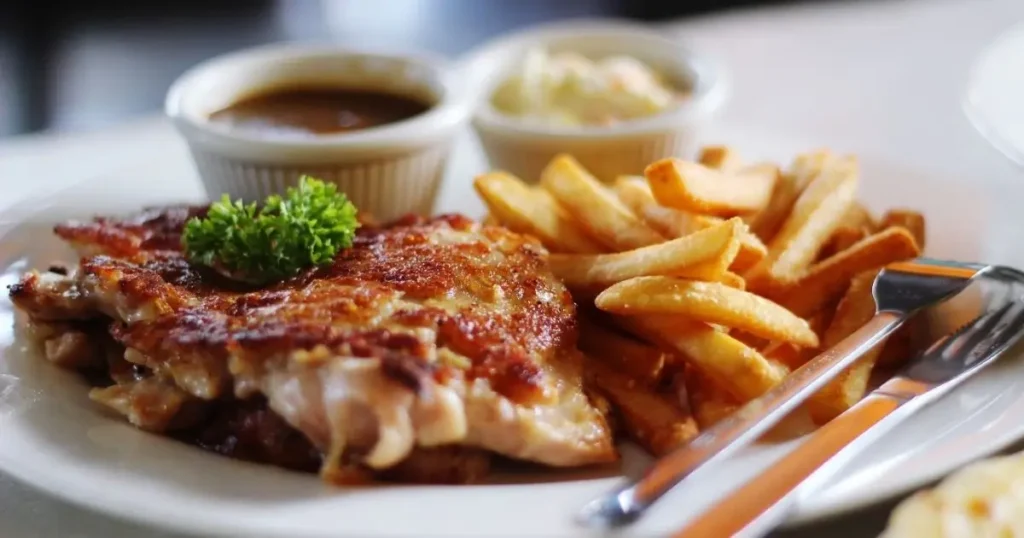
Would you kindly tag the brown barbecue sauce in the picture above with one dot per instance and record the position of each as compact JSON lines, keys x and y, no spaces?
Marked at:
{"x":310,"y":112}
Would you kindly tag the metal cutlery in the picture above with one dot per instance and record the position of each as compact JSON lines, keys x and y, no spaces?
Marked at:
{"x":763,"y":502}
{"x":900,"y":290}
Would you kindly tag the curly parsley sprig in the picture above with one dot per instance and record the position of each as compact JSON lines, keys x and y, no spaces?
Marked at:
{"x":305,"y":228}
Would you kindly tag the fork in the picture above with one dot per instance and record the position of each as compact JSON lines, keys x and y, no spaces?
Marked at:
{"x":763,"y":502}
{"x":900,"y":290}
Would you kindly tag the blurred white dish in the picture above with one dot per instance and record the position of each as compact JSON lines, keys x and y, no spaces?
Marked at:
{"x":56,"y":440}
{"x":995,"y":94}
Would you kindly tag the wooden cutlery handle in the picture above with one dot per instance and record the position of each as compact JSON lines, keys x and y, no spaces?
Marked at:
{"x":747,"y":503}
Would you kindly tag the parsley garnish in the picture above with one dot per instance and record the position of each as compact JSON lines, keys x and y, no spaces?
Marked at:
{"x":305,"y":228}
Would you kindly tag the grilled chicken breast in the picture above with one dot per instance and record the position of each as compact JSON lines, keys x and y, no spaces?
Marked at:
{"x":427,"y":342}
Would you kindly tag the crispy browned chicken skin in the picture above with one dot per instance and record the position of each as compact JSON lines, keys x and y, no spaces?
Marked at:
{"x":426,"y":344}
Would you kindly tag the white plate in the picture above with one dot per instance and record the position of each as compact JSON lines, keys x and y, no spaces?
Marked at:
{"x":995,"y":94}
{"x":53,"y":438}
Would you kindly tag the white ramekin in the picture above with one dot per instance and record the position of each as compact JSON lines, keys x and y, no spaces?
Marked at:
{"x":386,"y":171}
{"x":524,"y":149}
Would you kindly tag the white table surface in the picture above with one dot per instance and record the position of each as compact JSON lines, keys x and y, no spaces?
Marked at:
{"x":880,"y":77}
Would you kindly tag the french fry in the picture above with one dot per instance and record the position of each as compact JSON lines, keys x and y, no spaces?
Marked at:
{"x":843,"y":238}
{"x":654,"y":421}
{"x":820,"y":321}
{"x":490,"y":220}
{"x":754,"y":341}
{"x":854,"y":310}
{"x":733,"y":280}
{"x":722,"y":158}
{"x":635,"y":194}
{"x":827,"y":280}
{"x":794,"y":356}
{"x":858,"y":216}
{"x":767,"y":222}
{"x":763,"y":170}
{"x":533,"y":211}
{"x":752,"y":251}
{"x":708,"y":403}
{"x":734,"y":366}
{"x":595,"y":207}
{"x":857,"y":224}
{"x":711,"y":302}
{"x":816,"y":214}
{"x":912,"y":221}
{"x":694,"y":187}
{"x":786,"y":353}
{"x":640,"y":360}
{"x":704,"y":255}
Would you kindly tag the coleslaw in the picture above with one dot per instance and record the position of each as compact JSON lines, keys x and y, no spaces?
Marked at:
{"x":569,"y":89}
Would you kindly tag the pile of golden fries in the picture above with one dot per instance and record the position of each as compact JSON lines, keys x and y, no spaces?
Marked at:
{"x":703,"y":284}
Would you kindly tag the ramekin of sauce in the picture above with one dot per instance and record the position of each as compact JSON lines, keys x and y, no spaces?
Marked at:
{"x":379,"y":125}
{"x":615,"y":94}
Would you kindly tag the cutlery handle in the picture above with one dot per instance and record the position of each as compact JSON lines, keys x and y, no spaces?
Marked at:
{"x":746,"y":504}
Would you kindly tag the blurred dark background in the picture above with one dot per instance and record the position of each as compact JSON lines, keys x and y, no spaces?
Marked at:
{"x":73,"y":65}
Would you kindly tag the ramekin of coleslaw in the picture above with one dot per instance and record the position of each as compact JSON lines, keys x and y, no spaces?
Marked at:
{"x":616,"y":95}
